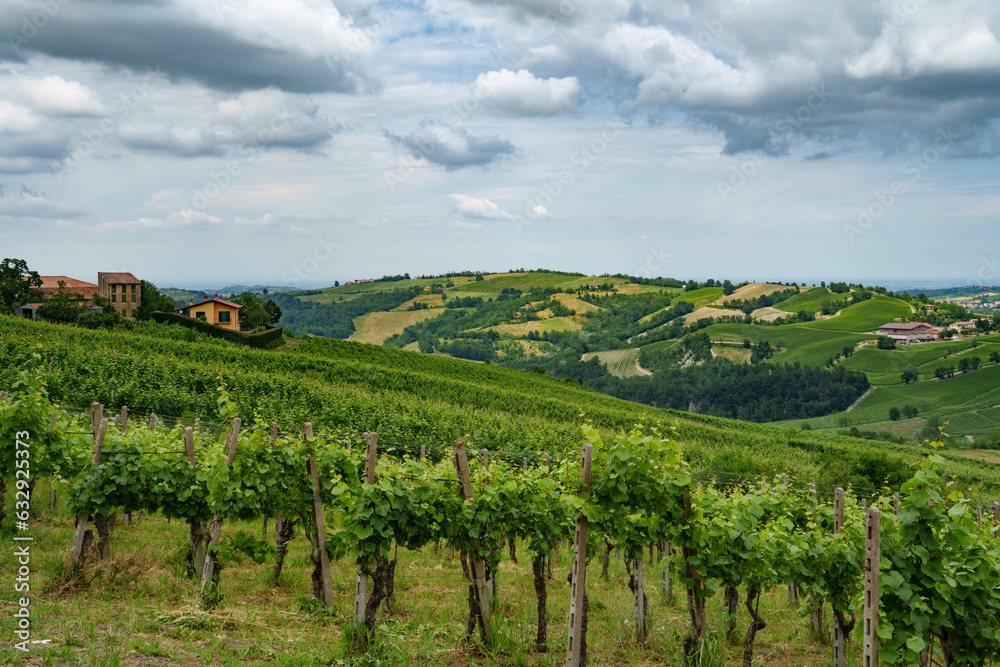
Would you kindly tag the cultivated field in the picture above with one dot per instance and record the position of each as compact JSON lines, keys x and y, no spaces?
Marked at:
{"x":620,"y":363}
{"x":711,"y":312}
{"x":752,"y":291}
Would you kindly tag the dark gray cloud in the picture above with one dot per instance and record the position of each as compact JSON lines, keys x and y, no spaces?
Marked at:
{"x":143,"y":37}
{"x":452,"y":148}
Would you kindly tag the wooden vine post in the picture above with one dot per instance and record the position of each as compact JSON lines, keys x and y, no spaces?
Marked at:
{"x":318,"y":519}
{"x":210,"y":569}
{"x":667,"y":581}
{"x":152,"y":422}
{"x":816,"y":617}
{"x":197,"y":528}
{"x":640,"y":602}
{"x":839,"y":640}
{"x":996,"y":517}
{"x":52,"y":491}
{"x":100,"y":428}
{"x":361,"y":584}
{"x":873,"y":552}
{"x":461,"y":461}
{"x":576,"y":646}
{"x":127,"y":517}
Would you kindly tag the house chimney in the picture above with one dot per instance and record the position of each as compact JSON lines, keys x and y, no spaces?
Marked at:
{"x":190,"y":302}
{"x":216,"y":296}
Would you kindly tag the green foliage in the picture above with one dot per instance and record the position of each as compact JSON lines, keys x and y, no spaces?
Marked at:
{"x":940,"y":582}
{"x":17,"y":284}
{"x":152,"y":301}
{"x":262,"y":340}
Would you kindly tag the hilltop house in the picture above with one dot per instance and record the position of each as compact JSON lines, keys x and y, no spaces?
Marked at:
{"x":219,"y":312}
{"x":909,"y":333}
{"x":964,"y":326}
{"x":123,"y":289}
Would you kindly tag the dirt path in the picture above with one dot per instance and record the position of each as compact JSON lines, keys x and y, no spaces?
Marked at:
{"x":851,"y":406}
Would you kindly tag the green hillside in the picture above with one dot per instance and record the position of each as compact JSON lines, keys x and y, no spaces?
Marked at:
{"x":867,"y":315}
{"x":810,"y":301}
{"x":555,"y":321}
{"x":411,"y":398}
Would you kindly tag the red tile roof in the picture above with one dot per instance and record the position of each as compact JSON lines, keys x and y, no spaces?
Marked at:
{"x":118,"y":278}
{"x":909,"y":326}
{"x":51,"y":284}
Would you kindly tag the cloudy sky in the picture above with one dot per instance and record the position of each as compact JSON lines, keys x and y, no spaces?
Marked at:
{"x":298,"y":142}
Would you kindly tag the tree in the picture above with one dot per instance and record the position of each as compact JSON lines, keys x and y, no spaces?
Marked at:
{"x":995,"y":357}
{"x":63,"y":306}
{"x":940,"y":372}
{"x":273,"y":312}
{"x":911,"y":374}
{"x":974,"y":362}
{"x":886,"y":343}
{"x":254,"y":310}
{"x":909,"y":411}
{"x":152,"y":301}
{"x":894,"y":413}
{"x":17,"y":284}
{"x":964,"y":364}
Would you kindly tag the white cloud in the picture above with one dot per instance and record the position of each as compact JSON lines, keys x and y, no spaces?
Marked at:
{"x":466,"y":225}
{"x":539,"y":212}
{"x":472,"y":207}
{"x":55,"y":95}
{"x":521,"y":93}
{"x":16,"y":118}
{"x":27,"y":204}
{"x":182,"y":218}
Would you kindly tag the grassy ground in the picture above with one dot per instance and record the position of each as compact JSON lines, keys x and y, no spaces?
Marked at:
{"x":810,"y":300}
{"x":541,"y":326}
{"x":702,"y":296}
{"x":139,"y":609}
{"x":495,"y":283}
{"x":705,"y":311}
{"x":865,"y":316}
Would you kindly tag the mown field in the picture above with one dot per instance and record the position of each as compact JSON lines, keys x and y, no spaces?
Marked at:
{"x":868,"y":315}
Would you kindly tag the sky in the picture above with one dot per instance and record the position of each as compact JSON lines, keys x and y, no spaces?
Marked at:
{"x":299,"y":142}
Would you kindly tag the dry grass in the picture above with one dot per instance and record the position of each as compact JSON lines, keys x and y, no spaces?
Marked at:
{"x":752,"y":291}
{"x":769,"y":314}
{"x":541,"y":326}
{"x":376,"y":327}
{"x":711,"y":312}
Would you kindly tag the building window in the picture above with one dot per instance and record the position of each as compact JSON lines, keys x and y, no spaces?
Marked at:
{"x":133,"y":298}
{"x":113,"y":297}
{"x":133,"y":289}
{"x":201,"y":315}
{"x":114,"y":288}
{"x":224,"y":317}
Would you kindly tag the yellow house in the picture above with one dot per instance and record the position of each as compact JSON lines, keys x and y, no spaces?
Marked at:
{"x":219,"y":312}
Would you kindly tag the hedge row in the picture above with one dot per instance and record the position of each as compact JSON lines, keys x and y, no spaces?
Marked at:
{"x":262,"y":339}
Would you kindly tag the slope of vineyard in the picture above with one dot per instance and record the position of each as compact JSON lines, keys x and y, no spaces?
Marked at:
{"x":353,"y":387}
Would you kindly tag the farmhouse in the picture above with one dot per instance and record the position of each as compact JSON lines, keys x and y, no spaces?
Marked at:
{"x":122,"y":289}
{"x":219,"y":312}
{"x":964,"y":326}
{"x":909,"y":333}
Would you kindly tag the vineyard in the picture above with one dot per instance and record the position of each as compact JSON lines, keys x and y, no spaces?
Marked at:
{"x":712,"y":542}
{"x":620,"y":363}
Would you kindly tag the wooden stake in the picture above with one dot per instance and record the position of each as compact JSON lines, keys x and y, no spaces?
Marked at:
{"x":578,"y":580}
{"x":361,"y":583}
{"x":76,"y":553}
{"x":524,"y":463}
{"x":124,"y":420}
{"x":896,"y":505}
{"x":640,"y":603}
{"x":196,"y":528}
{"x":838,"y":510}
{"x":317,"y":501}
{"x":839,"y":640}
{"x":215,"y":533}
{"x":668,"y":583}
{"x":869,"y":656}
{"x":423,"y":452}
{"x":152,"y":422}
{"x":460,"y":459}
